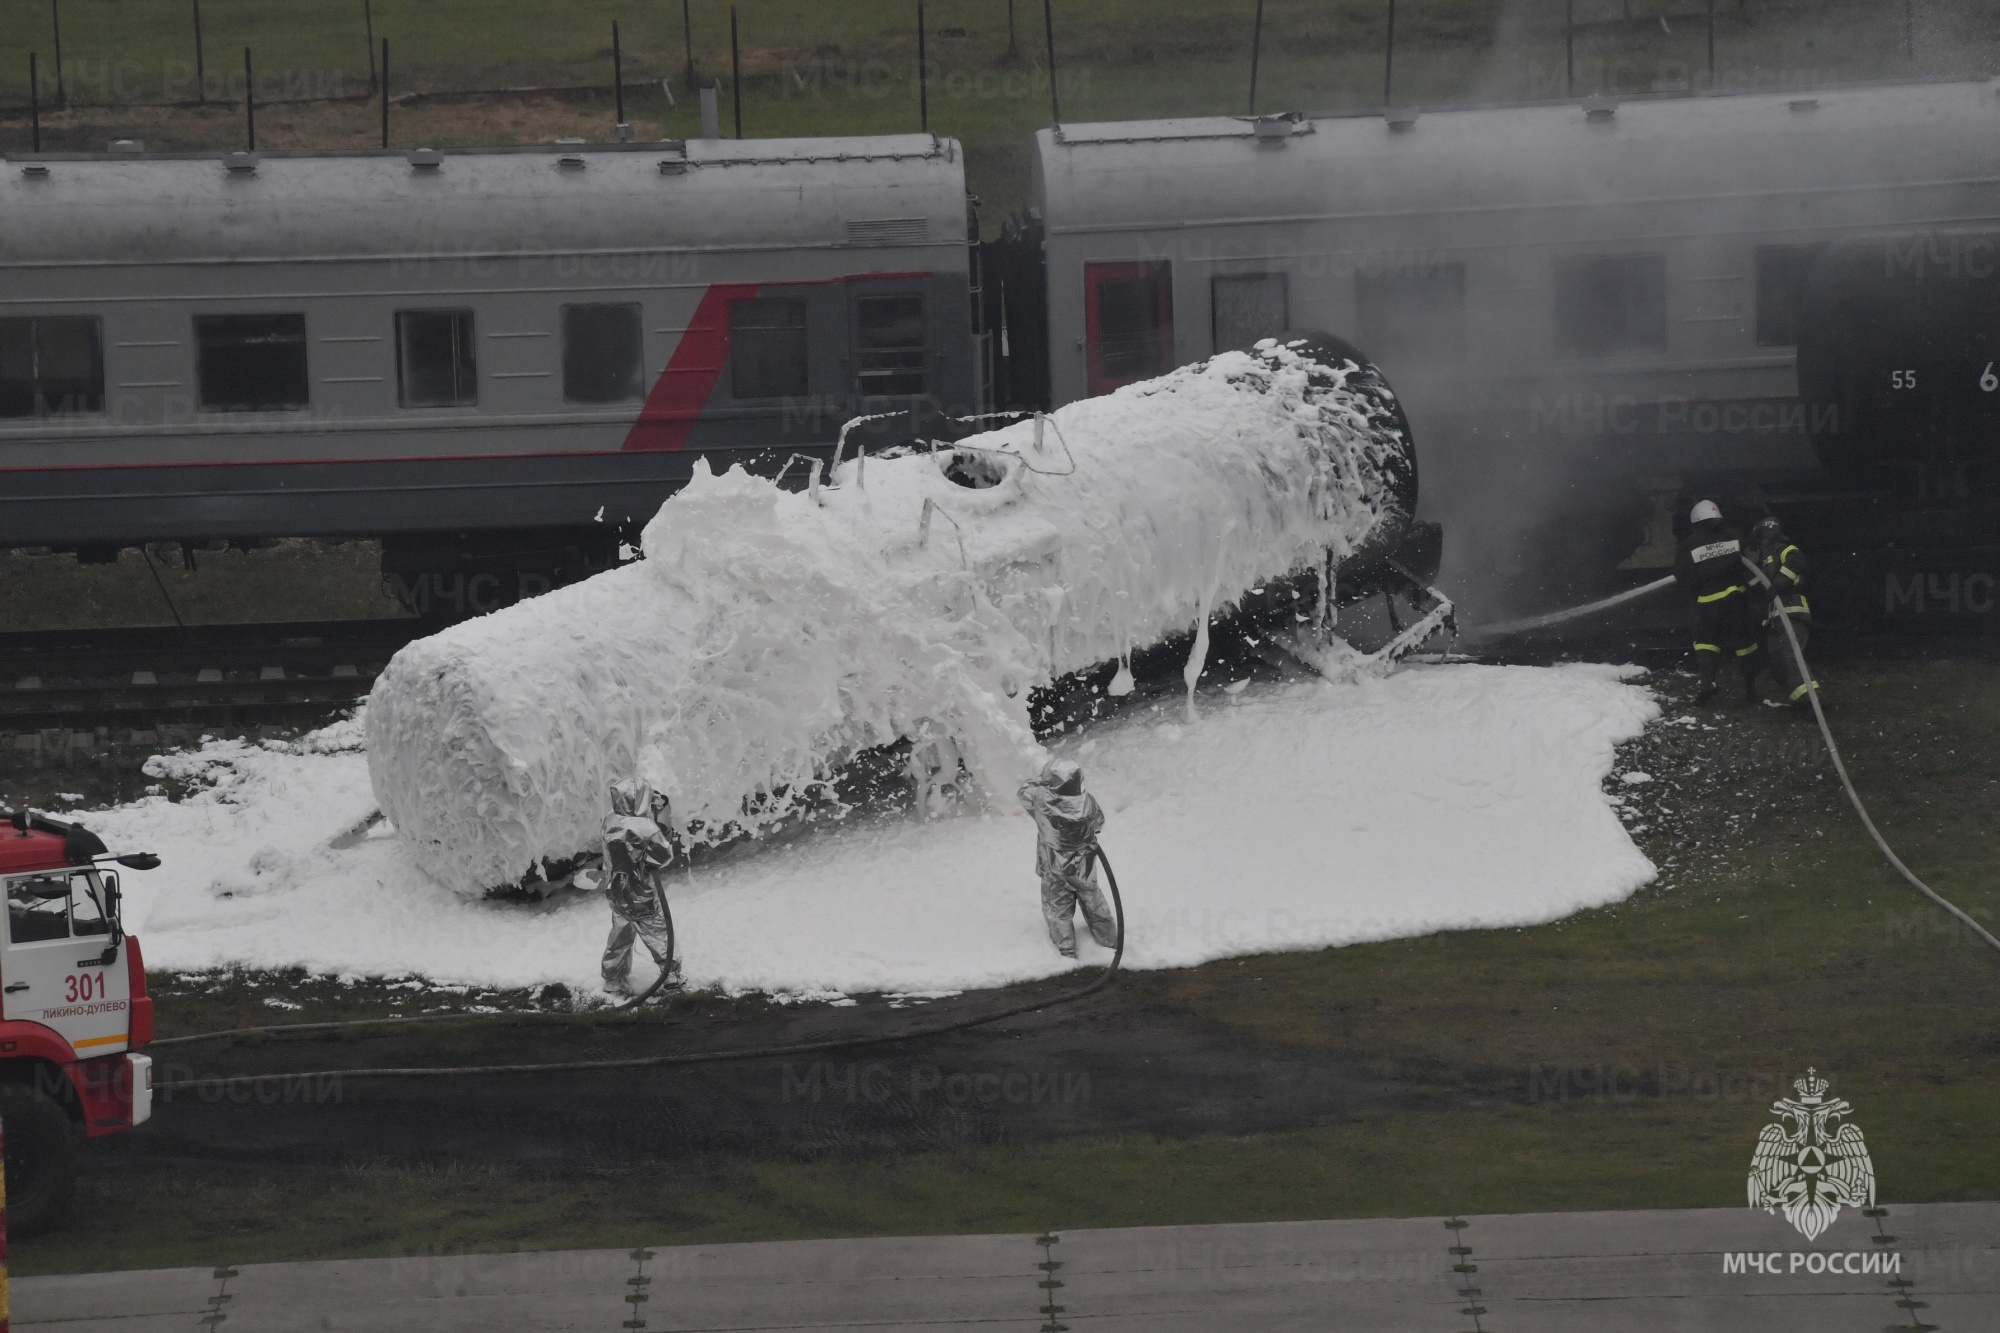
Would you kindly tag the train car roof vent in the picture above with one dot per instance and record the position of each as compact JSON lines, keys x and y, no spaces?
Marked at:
{"x":1401,"y":118}
{"x":1272,"y":131}
{"x":240,"y":163}
{"x":1600,"y":108}
{"x":571,"y":162}
{"x":1801,"y":105}
{"x":36,"y":170}
{"x":126,"y":146}
{"x":887,"y":231}
{"x":426,"y":159}
{"x":676,"y":160}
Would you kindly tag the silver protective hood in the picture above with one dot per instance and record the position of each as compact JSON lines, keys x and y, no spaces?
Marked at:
{"x":631,"y":796}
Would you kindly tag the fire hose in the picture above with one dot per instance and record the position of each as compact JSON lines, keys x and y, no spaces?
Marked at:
{"x":1573,"y":613}
{"x":1812,"y":695}
{"x":638,"y":1061}
{"x":1839,"y":767}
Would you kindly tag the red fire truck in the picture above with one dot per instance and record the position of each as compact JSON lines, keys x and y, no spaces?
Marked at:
{"x":73,"y":1010}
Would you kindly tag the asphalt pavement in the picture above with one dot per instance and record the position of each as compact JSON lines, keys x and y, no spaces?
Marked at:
{"x":1927,"y":1266}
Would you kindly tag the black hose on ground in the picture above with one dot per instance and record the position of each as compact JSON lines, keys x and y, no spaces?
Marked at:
{"x":1839,"y":767}
{"x":646,"y":1061}
{"x":666,"y":969}
{"x":659,"y":983}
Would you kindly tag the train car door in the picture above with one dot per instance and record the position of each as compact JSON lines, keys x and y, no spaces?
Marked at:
{"x":1128,"y":323}
{"x":891,"y":336}
{"x":55,"y":970}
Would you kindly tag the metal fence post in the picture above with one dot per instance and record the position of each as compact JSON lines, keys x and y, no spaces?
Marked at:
{"x":35,"y":99}
{"x":55,"y":22}
{"x":368,"y":32}
{"x":1389,"y":60}
{"x":687,"y":40}
{"x":735,"y":72}
{"x":617,"y":76}
{"x":200,"y":69}
{"x":923,"y":75}
{"x":1711,"y":43}
{"x":1049,"y":29}
{"x":385,"y":92}
{"x":1256,"y":50}
{"x":249,"y":100}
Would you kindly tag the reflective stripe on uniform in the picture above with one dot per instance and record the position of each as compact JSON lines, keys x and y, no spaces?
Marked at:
{"x":1803,"y":690}
{"x":1790,"y":573}
{"x":1706,"y":648}
{"x":1707,"y":597}
{"x":1745,"y":652}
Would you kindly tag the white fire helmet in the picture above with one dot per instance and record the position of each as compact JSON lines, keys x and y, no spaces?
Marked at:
{"x":1704,"y":511}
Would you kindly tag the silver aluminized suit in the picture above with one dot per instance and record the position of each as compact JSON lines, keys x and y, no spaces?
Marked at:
{"x":1067,"y":820}
{"x":637,"y":852}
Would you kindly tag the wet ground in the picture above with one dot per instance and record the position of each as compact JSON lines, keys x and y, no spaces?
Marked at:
{"x":1120,"y":1061}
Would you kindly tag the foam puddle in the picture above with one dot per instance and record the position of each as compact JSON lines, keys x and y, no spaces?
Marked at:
{"x":1287,"y":816}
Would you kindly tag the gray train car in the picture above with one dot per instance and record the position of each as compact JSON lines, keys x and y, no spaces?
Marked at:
{"x":468,"y":348}
{"x":1578,"y":302}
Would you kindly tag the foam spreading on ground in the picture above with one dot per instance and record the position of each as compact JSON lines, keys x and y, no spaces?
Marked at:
{"x":1284,"y":816}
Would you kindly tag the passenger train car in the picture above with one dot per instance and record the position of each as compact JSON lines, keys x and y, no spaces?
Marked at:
{"x":497,"y":358}
{"x":491,"y":356}
{"x":1586,"y":307}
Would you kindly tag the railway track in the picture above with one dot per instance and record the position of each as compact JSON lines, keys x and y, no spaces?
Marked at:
{"x":222,"y":674}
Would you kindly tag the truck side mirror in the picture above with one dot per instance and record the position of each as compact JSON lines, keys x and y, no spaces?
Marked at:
{"x":139,"y":861}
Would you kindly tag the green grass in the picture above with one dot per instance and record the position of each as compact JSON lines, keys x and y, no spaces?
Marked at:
{"x":1620,"y":1058}
{"x":1513,"y":1159}
{"x":289,"y":580}
{"x":817,"y":68}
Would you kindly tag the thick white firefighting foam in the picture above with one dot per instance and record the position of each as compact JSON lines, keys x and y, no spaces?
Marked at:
{"x":770,"y":634}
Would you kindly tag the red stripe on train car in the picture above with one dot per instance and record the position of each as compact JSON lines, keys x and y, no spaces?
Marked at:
{"x":682,"y":392}
{"x":683,"y":389}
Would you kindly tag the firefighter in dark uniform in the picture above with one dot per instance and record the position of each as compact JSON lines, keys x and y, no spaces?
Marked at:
{"x":1785,"y":566}
{"x":1710,"y":565}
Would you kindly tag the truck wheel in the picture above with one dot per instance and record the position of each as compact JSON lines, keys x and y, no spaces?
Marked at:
{"x":41,"y":1159}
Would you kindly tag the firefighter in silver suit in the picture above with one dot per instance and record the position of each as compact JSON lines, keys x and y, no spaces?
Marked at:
{"x":1067,"y":820}
{"x":638,"y":848}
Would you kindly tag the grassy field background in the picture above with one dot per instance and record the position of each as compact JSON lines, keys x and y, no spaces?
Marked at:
{"x":816,"y":68}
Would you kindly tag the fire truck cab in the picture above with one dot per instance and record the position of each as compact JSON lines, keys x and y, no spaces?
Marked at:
{"x":74,"y":1013}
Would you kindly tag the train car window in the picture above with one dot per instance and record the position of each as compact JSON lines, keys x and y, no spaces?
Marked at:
{"x":1247,"y":307}
{"x":1611,"y":303}
{"x":767,"y":348}
{"x":51,"y":366}
{"x":1415,"y":314}
{"x":889,"y":346}
{"x":251,"y":363}
{"x":1128,"y":321}
{"x":1781,"y":285}
{"x":603,"y":353}
{"x":434,"y":359}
